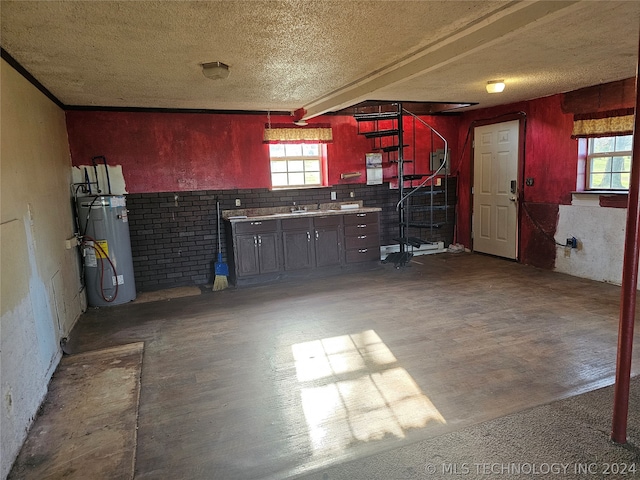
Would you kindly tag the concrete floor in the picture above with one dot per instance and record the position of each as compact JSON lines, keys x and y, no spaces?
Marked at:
{"x":288,"y":380}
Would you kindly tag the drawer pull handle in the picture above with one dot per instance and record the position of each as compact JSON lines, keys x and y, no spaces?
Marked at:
{"x":255,"y":241}
{"x":361,"y":214}
{"x":260,"y":240}
{"x":308,"y":237}
{"x":317,"y":235}
{"x":362,"y":237}
{"x":362,"y":225}
{"x":363,"y":250}
{"x":256,"y":223}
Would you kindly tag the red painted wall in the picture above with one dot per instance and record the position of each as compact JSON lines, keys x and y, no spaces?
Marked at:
{"x":550,"y":158}
{"x":167,"y":152}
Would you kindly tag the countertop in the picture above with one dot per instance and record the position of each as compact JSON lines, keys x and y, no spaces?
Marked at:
{"x":277,"y":213}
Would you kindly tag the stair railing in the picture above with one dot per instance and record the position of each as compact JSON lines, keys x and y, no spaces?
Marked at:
{"x":434,"y":174}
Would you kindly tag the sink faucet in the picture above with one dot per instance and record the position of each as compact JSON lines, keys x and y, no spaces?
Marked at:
{"x":297,"y":209}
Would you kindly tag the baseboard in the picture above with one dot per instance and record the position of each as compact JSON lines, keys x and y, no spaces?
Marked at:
{"x":427,"y":249}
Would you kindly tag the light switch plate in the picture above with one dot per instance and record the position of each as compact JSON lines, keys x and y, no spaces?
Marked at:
{"x":238,"y":203}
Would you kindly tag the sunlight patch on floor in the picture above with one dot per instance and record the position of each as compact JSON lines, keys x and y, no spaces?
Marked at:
{"x":353,"y":390}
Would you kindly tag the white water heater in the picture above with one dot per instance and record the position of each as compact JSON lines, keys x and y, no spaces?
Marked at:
{"x":106,"y":249}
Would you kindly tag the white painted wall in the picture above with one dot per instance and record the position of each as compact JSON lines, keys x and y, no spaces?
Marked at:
{"x":39,"y":282}
{"x":600,"y":234}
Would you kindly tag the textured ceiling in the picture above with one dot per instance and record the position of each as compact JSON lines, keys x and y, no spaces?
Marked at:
{"x":317,"y":54}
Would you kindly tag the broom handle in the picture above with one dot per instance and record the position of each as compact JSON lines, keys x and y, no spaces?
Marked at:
{"x":218,"y":216}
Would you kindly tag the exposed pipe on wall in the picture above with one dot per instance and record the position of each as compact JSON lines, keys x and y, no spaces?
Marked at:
{"x":629,"y":289}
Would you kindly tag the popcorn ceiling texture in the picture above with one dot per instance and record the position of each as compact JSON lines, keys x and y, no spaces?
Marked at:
{"x":321,"y":54}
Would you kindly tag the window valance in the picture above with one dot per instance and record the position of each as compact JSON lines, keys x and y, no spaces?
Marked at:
{"x":603,"y":124}
{"x":286,"y":133}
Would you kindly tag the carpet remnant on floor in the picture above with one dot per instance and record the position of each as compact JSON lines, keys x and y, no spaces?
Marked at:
{"x":86,"y":427}
{"x":167,"y":294}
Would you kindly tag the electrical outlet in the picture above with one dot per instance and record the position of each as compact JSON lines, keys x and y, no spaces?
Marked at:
{"x":572,"y":242}
{"x":238,"y":203}
{"x":352,"y":194}
{"x":334,"y":196}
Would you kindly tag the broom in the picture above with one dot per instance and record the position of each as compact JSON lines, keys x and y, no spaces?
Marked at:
{"x":221,"y":269}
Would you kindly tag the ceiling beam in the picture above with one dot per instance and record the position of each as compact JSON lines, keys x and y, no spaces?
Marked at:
{"x":481,"y":34}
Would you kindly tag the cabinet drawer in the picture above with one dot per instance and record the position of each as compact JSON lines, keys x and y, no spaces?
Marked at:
{"x":363,"y":254}
{"x":362,"y":241}
{"x":355,"y":218}
{"x":329,"y":221}
{"x":295,"y":224}
{"x":259,"y":226}
{"x":364,"y":228}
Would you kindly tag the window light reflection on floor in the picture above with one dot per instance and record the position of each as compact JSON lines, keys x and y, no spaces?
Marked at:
{"x":352,"y":389}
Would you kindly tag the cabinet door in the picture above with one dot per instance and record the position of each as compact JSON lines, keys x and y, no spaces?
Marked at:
{"x":328,"y":246}
{"x":247,"y":255}
{"x":298,"y":249}
{"x":268,"y":247}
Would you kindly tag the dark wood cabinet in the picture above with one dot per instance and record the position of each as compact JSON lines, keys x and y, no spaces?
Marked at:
{"x":267,"y":250}
{"x":362,"y":237}
{"x":256,"y":248}
{"x":298,"y":243}
{"x":328,"y":240}
{"x":312,"y":242}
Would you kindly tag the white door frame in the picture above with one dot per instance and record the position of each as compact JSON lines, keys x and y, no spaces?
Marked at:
{"x":496,"y":188}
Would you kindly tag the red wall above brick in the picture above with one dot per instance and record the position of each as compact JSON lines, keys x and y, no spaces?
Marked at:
{"x":166,"y":152}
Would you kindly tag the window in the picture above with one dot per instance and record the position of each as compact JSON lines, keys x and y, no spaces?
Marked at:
{"x":609,"y":162}
{"x":296,"y":165}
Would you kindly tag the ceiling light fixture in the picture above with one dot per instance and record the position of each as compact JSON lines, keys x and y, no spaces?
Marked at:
{"x":495,"y":86}
{"x":215,"y":70}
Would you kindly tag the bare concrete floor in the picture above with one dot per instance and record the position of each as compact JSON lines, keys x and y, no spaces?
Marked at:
{"x":283,"y":380}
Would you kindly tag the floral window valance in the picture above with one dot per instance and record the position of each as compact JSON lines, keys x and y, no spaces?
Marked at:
{"x":603,"y":124}
{"x":286,"y":133}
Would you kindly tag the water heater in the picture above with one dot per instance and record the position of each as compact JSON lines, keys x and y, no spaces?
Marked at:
{"x":106,"y":249}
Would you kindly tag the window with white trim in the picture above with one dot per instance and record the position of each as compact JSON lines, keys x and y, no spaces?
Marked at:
{"x":295,"y":165}
{"x":609,"y":162}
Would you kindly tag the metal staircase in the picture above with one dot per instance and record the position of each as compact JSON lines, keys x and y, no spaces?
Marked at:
{"x":416,"y":158}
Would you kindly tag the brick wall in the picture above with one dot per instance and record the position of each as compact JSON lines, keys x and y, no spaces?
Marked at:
{"x":174,"y":235}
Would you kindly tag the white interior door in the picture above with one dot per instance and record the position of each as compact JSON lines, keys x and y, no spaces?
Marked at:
{"x":495,"y":189}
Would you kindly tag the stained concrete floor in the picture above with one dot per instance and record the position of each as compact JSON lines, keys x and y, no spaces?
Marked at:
{"x":289,"y":380}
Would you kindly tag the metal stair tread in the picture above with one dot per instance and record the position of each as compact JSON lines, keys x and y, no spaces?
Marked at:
{"x":391,"y":148}
{"x":412,"y":241}
{"x":428,"y":208}
{"x":427,"y":191}
{"x":398,"y":258}
{"x":426,"y":225}
{"x":381,"y":133}
{"x":364,"y":117}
